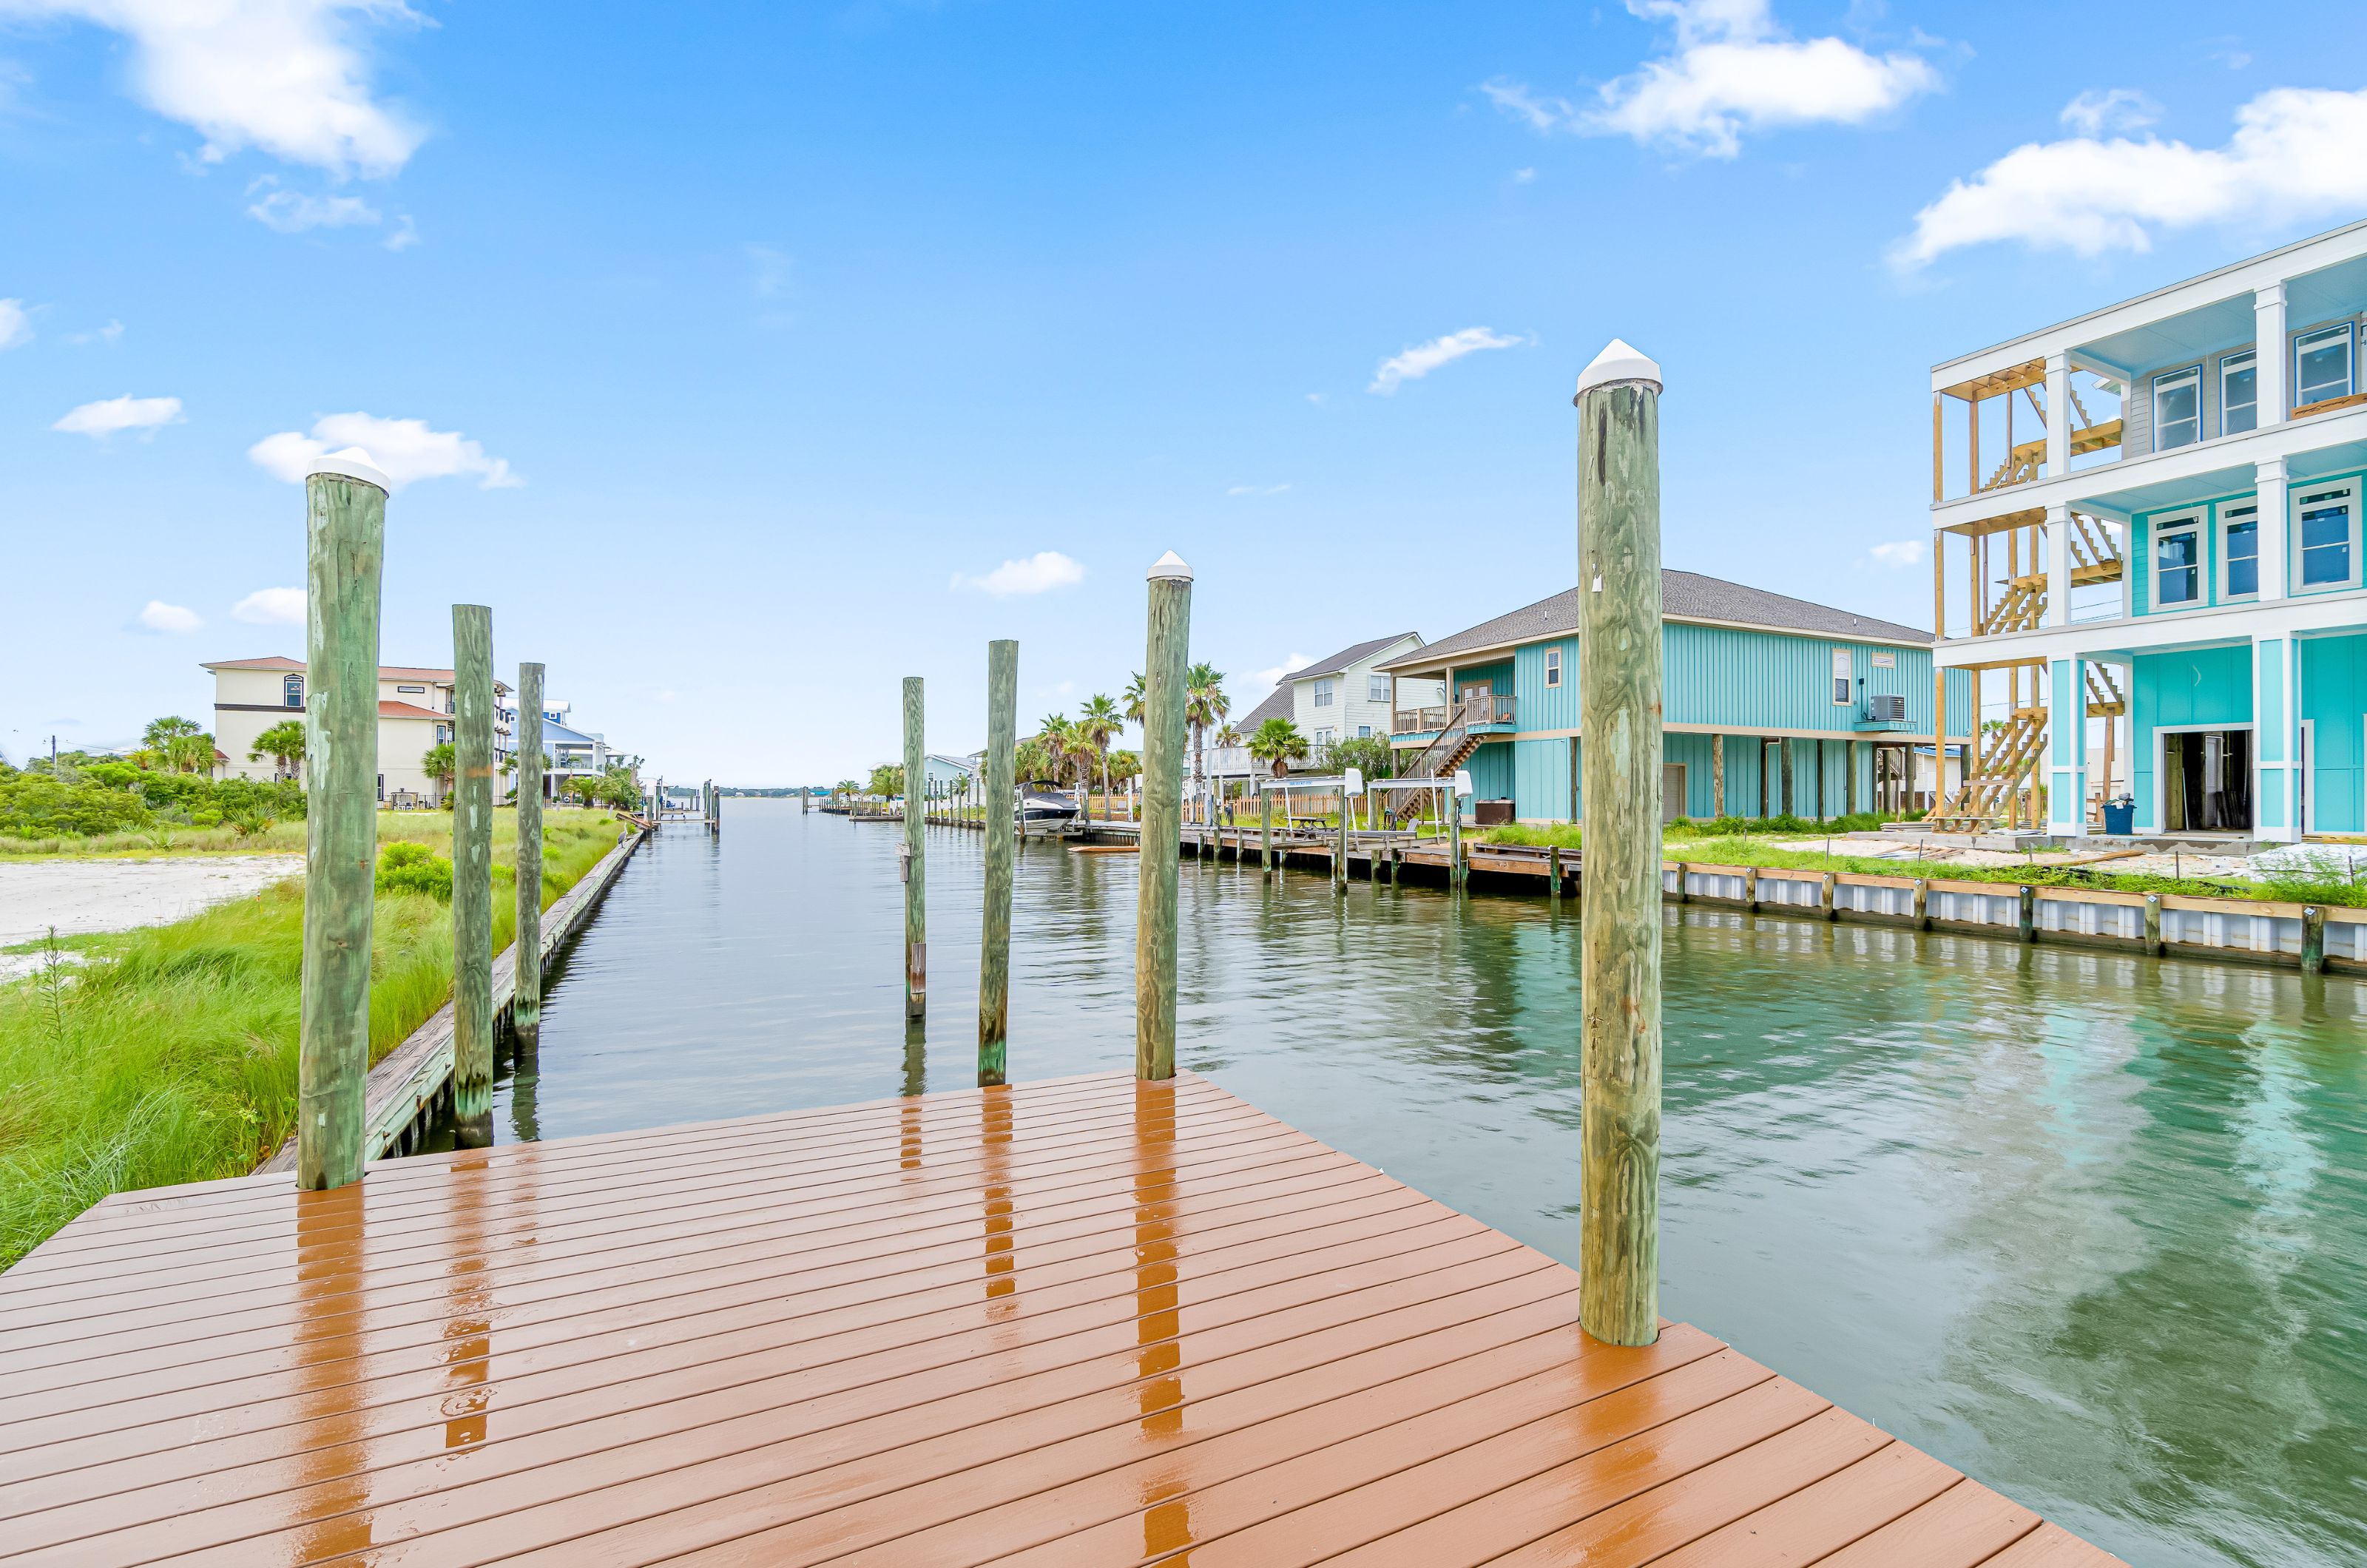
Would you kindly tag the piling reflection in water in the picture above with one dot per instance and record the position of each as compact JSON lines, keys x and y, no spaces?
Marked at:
{"x":2091,"y":1225}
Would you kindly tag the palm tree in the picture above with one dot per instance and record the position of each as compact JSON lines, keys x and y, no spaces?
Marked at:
{"x":1205,"y":704}
{"x":440,"y":762}
{"x":1133,"y":698}
{"x":185,"y":748}
{"x":1278,"y":743}
{"x":1098,"y":723}
{"x":1063,"y":748}
{"x":283,"y":743}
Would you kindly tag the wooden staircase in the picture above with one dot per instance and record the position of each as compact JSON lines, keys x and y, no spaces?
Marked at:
{"x":1450,"y":751}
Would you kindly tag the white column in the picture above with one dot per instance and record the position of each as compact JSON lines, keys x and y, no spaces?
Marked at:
{"x":2276,"y":567}
{"x":2058,"y":559}
{"x":2058,"y":415}
{"x":2271,"y":355}
{"x":2066,"y":725}
{"x":2276,"y":741}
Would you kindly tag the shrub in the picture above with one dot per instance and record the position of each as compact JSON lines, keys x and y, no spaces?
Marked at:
{"x":414,"y":868}
{"x":35,"y":805}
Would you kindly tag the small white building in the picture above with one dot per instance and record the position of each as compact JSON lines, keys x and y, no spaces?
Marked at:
{"x":1346,"y":696}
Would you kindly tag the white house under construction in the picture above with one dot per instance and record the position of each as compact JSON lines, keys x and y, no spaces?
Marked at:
{"x":2146,"y":546}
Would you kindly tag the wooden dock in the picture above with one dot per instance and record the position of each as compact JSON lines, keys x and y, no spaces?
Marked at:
{"x":1087,"y":1322}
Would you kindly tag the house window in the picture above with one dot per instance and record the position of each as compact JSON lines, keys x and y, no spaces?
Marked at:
{"x":443,"y":733}
{"x":2239,"y":550}
{"x":1842,"y":671}
{"x":2240,"y":394}
{"x":1324,"y":738}
{"x":2327,"y":521}
{"x":2322,"y":365}
{"x":1553,"y":667}
{"x":1364,"y":732}
{"x":1376,"y":688}
{"x":291,"y":691}
{"x":382,"y":787}
{"x":412,"y":691}
{"x":2177,"y":408}
{"x":1886,"y":662}
{"x":1323,"y":693}
{"x":2177,"y":563}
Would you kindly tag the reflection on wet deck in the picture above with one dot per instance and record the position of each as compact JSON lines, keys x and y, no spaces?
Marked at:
{"x":1088,"y":1322}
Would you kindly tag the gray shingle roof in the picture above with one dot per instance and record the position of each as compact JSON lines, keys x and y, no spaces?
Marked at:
{"x":1685,"y":596}
{"x":1278,"y":703}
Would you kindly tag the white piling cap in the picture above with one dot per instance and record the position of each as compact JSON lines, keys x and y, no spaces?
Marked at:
{"x":1170,"y":565}
{"x":353,"y":463}
{"x":1615,"y":363}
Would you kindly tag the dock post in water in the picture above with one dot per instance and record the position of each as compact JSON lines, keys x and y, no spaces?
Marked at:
{"x":526,"y":1008}
{"x":344,"y":541}
{"x":2313,"y":940}
{"x":1162,"y":795}
{"x":1340,"y":846}
{"x":916,"y":816}
{"x":1452,"y":808}
{"x":1619,"y":703}
{"x":472,"y":875}
{"x":995,"y":927}
{"x":1265,"y":831}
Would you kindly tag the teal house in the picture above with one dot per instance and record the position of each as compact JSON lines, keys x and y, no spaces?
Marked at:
{"x":1771,"y":705}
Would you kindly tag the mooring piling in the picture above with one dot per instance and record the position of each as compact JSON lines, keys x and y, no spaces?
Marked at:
{"x":472,"y":875}
{"x":1619,"y":700}
{"x":1170,"y":638}
{"x":1265,"y":831}
{"x":1450,"y":807}
{"x":344,"y":543}
{"x":2313,"y":940}
{"x":526,"y":1007}
{"x":995,"y":927}
{"x":916,"y":817}
{"x":1339,"y":845}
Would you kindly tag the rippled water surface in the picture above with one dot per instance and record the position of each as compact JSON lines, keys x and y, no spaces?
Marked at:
{"x":2093,"y":1228}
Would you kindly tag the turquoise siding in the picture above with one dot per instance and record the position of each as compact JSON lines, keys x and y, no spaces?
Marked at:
{"x":1541,"y":779}
{"x":1541,"y":785}
{"x":1491,"y":771}
{"x":1543,"y":706}
{"x":1745,"y":681}
{"x":2212,"y":685}
{"x":2334,"y":699}
{"x":1499,"y":675}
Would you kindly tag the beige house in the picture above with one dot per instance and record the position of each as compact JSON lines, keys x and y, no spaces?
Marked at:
{"x":414,"y":715}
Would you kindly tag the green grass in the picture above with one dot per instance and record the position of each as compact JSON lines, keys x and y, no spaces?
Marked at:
{"x":168,"y":1054}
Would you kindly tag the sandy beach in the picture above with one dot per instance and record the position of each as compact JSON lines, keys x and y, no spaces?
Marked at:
{"x":77,"y":897}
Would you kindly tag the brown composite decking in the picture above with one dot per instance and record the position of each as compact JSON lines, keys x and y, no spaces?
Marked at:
{"x":1082,"y":1322}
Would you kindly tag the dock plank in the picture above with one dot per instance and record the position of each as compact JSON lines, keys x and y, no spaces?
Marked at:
{"x":1082,"y":1322}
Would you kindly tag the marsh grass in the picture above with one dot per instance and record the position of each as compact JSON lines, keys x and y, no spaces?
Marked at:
{"x":168,"y":1054}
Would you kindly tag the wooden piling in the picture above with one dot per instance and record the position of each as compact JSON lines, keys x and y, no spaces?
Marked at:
{"x":526,"y":1009}
{"x":345,"y":540}
{"x":2025,"y":924}
{"x":1923,"y":903}
{"x":1826,"y":899}
{"x":1619,"y":712}
{"x":1265,"y":831}
{"x":1456,"y":869}
{"x":1163,"y":791}
{"x":2313,"y":940}
{"x":1717,"y":775}
{"x":472,"y":875}
{"x":916,"y":818}
{"x":2153,"y":942}
{"x":995,"y":927}
{"x":1553,"y":873}
{"x":1340,"y":846}
{"x":1751,"y":888}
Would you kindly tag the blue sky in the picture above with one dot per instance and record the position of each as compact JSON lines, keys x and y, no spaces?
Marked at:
{"x":746,"y":360}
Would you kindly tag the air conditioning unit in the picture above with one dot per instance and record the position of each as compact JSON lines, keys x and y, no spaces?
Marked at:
{"x":1886,"y":709}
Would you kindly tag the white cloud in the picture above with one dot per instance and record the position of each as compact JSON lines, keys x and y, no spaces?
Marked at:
{"x":108,"y":415}
{"x":1273,"y":677}
{"x":405,"y":449}
{"x":1901,"y":553}
{"x":283,"y":75}
{"x":405,"y":234}
{"x":2295,"y":152}
{"x":271,"y":607}
{"x":1734,"y":71}
{"x":160,"y":617}
{"x":1522,"y":176}
{"x":2122,"y":109}
{"x":1039,"y":573}
{"x":293,"y":212}
{"x":16,"y":325}
{"x":110,"y":334}
{"x":1422,"y":358}
{"x":1256,"y":490}
{"x":769,"y":275}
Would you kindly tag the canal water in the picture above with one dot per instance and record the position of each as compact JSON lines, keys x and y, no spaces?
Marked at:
{"x":2091,"y":1227}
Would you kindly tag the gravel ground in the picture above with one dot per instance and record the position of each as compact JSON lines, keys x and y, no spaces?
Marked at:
{"x":80,"y":897}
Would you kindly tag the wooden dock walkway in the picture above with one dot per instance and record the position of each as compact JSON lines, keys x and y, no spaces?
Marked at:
{"x":1081,"y":1322}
